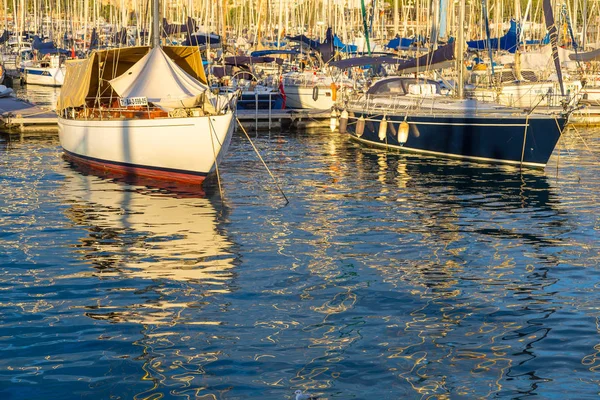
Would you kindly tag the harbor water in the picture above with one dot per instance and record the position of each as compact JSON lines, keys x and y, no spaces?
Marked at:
{"x":385,"y":277}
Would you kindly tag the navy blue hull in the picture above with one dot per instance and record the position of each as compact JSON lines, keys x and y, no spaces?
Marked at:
{"x":497,"y":140}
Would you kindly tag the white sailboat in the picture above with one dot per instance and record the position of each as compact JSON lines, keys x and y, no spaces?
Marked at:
{"x":49,"y":71}
{"x":145,"y":112}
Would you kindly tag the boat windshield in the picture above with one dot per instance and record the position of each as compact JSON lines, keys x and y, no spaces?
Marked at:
{"x":401,"y":86}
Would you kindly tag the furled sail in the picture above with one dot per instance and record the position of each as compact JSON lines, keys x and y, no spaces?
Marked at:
{"x":551,"y":26}
{"x":161,"y":81}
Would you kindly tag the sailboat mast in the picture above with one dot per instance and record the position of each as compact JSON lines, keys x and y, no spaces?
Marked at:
{"x":461,"y":50}
{"x":155,"y":24}
{"x":279,"y":24}
{"x":16,"y":23}
{"x":5,"y":20}
{"x":584,"y":26}
{"x":86,"y":6}
{"x":396,"y":17}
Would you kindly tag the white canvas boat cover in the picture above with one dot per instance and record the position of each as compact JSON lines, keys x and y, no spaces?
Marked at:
{"x":158,"y":78}
{"x":542,"y":59}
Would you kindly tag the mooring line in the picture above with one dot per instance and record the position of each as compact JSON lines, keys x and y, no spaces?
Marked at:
{"x":215,"y":155}
{"x":585,"y":143}
{"x":263,"y":161}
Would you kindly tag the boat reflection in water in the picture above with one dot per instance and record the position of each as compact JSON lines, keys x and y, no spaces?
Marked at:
{"x":160,"y":268}
{"x":490,"y":236}
{"x":457,"y":178}
{"x":158,"y":234}
{"x":464,"y":250}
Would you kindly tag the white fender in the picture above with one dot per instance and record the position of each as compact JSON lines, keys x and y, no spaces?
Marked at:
{"x":383,"y":129}
{"x":343,"y":121}
{"x":360,"y":126}
{"x":403,"y":132}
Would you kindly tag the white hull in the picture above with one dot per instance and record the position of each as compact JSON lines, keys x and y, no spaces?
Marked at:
{"x":43,"y":76}
{"x":180,"y":149}
{"x":302,"y":97}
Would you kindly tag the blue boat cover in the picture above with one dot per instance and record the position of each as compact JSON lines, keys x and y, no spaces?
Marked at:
{"x":326,"y":48}
{"x":344,"y":48}
{"x":175,"y":29}
{"x":37,"y":44}
{"x":47,"y":47}
{"x":202,"y":39}
{"x":55,"y":51}
{"x":313,"y":44}
{"x":262,"y":53}
{"x":245,"y":60}
{"x":4,"y":37}
{"x":330,"y":45}
{"x":402,"y":43}
{"x":545,"y":40}
{"x":442,"y":54}
{"x":508,"y":42}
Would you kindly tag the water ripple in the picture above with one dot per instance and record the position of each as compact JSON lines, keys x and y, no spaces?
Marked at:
{"x":386,"y":276}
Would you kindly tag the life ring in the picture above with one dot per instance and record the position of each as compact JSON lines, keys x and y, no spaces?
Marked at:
{"x":315,"y":94}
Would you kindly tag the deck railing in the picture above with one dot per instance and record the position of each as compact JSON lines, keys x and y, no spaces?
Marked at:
{"x":437,"y":105}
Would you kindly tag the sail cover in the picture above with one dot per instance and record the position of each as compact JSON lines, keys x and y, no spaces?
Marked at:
{"x":77,"y":83}
{"x":507,"y":42}
{"x":442,"y":57}
{"x":161,"y":81}
{"x":593,"y":55}
{"x":540,"y":59}
{"x":553,"y":31}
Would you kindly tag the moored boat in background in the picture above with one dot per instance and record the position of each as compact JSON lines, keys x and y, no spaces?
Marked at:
{"x":49,"y":71}
{"x":311,"y":90}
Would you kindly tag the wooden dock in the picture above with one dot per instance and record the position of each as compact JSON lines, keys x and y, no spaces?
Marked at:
{"x":18,"y":116}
